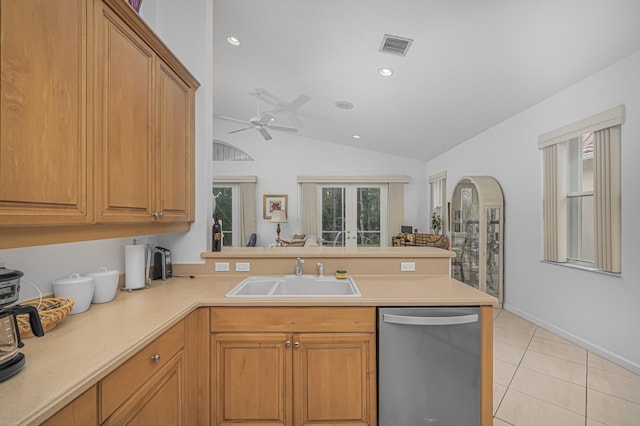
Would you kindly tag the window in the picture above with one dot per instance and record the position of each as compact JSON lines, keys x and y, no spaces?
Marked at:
{"x":234,"y":201}
{"x":438,"y":196}
{"x":223,"y":202}
{"x":582,"y":192}
{"x":579,"y":177}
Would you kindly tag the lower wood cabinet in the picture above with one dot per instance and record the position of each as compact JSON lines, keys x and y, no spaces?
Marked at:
{"x":149,"y":386}
{"x":82,"y":411}
{"x":165,"y":383}
{"x":293,"y":366}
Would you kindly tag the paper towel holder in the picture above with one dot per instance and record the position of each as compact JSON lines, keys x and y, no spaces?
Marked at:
{"x":147,"y":269}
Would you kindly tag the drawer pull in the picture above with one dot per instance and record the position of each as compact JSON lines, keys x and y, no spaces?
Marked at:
{"x":155,"y":358}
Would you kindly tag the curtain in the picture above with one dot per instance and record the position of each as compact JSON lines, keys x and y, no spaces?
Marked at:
{"x":395,"y":207}
{"x":607,"y":200}
{"x":247,"y":195}
{"x":551,"y":201}
{"x":309,"y":208}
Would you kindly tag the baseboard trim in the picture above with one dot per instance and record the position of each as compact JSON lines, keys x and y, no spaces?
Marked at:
{"x":591,"y":347}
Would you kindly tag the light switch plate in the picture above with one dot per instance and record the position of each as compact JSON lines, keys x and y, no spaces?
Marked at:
{"x":222,"y":266}
{"x":408,"y":266}
{"x":243,"y":266}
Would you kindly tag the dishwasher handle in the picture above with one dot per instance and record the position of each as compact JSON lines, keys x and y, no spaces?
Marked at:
{"x":409,"y":320}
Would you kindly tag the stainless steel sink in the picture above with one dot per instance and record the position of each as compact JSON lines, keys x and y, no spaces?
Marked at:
{"x":295,"y":286}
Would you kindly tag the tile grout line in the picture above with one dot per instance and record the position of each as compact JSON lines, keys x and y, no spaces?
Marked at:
{"x":517,"y":367}
{"x":586,"y":391}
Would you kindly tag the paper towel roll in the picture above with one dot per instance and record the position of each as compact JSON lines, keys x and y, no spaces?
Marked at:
{"x":134,"y":266}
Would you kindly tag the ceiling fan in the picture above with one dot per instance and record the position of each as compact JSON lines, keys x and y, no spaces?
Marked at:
{"x":292,"y":108}
{"x":261,"y":123}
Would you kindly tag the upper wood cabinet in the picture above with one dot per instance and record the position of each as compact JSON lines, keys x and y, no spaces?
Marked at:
{"x":175,"y":135}
{"x":144,"y":164}
{"x":45,"y":112}
{"x":125,"y":137}
{"x":97,"y":125}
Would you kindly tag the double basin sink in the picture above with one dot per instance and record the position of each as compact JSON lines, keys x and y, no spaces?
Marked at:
{"x":295,"y":286}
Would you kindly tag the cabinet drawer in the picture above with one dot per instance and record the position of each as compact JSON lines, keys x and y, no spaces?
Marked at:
{"x":118,"y":386}
{"x":294,"y":319}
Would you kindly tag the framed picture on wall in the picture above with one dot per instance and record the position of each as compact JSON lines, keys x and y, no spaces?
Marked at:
{"x":273,"y":202}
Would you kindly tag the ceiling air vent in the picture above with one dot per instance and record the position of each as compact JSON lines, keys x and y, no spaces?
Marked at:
{"x":395,"y":45}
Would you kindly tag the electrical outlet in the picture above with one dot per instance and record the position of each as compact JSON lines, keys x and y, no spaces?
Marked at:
{"x":408,"y":266}
{"x":243,"y":266}
{"x":222,"y":266}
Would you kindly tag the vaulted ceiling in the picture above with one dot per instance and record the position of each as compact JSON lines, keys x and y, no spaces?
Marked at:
{"x":471,"y":65}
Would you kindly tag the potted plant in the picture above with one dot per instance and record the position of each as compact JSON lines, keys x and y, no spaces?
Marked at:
{"x":436,"y":223}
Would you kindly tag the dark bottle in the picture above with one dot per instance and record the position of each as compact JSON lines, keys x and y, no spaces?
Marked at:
{"x":216,"y":241}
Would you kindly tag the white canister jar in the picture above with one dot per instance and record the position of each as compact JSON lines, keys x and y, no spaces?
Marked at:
{"x":106,"y":284}
{"x":78,"y":288}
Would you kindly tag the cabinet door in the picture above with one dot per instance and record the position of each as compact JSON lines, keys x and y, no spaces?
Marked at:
{"x":251,"y":379}
{"x":174,"y":172}
{"x":82,"y":411}
{"x":43,"y":112}
{"x":160,"y":401}
{"x":125,"y":149}
{"x":334,"y":379}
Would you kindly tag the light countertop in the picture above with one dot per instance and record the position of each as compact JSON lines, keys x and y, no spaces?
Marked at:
{"x":85,"y":347}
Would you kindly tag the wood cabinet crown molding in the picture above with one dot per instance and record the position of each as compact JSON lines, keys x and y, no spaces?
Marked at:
{"x":127,"y":14}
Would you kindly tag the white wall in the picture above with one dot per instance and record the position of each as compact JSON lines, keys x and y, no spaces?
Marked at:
{"x":279,"y":161}
{"x":596,"y":310}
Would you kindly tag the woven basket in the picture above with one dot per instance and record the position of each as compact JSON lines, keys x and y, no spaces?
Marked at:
{"x":52,"y":311}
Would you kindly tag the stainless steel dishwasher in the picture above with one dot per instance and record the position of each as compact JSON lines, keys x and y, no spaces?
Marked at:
{"x":429,"y":366}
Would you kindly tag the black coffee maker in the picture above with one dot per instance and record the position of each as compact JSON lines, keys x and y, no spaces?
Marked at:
{"x":11,"y":361}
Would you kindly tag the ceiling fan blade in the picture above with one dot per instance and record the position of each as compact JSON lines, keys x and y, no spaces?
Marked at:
{"x":268,"y":97}
{"x":266,"y":118}
{"x":261,"y":96}
{"x":235,"y":120}
{"x":286,"y":129}
{"x":298,"y":102}
{"x":264,"y":133}
{"x":239,"y":130}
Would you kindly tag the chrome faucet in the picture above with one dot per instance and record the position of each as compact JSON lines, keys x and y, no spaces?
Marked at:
{"x":320,"y":269}
{"x":299,"y":263}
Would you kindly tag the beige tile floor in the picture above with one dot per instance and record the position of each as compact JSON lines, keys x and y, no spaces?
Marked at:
{"x":541,"y":379}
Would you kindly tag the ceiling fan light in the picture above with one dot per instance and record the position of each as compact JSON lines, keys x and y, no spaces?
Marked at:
{"x":386,"y":72}
{"x":233,"y":41}
{"x":356,"y":136}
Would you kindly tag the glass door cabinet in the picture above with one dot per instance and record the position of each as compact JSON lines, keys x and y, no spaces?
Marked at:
{"x":477,"y":222}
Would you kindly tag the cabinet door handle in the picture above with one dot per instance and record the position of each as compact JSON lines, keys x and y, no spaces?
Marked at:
{"x":158,"y":214}
{"x":287,"y":343}
{"x":296,"y":345}
{"x":155,"y":358}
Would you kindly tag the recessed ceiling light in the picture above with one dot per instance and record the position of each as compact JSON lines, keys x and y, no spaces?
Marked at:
{"x":344,"y":104}
{"x":233,"y":41}
{"x":356,"y":136}
{"x":385,"y":72}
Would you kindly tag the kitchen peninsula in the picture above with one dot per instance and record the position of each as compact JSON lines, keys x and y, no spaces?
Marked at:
{"x":86,"y":353}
